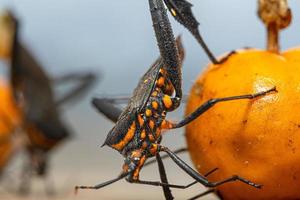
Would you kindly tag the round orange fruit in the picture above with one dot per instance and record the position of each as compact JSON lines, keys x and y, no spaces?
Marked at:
{"x":9,"y":120}
{"x":257,"y":139}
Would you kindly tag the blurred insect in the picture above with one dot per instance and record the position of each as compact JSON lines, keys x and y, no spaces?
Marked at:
{"x":137,"y":133}
{"x":33,"y":93}
{"x":9,"y":123}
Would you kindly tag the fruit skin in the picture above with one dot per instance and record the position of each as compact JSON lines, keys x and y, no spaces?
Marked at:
{"x":9,"y":121}
{"x":257,"y":139}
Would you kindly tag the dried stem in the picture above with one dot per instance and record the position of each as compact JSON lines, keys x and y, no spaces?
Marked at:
{"x":276,"y":15}
{"x":273,"y":38}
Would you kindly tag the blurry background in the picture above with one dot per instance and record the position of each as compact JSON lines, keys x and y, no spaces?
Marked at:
{"x":115,"y":38}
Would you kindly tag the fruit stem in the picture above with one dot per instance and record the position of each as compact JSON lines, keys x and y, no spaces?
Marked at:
{"x":276,"y":15}
{"x":273,"y":38}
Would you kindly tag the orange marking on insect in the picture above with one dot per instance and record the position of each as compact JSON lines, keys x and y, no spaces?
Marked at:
{"x":173,"y":12}
{"x":169,"y":88}
{"x":137,"y":170}
{"x":143,"y":134}
{"x":151,"y":124}
{"x":151,"y":138}
{"x":154,"y":105}
{"x":154,"y":93}
{"x":129,"y":135}
{"x":125,"y":168}
{"x":166,"y":124}
{"x":160,"y":82}
{"x":158,"y":132}
{"x":154,"y":149}
{"x":162,"y":71}
{"x":167,"y":101}
{"x":136,"y":154}
{"x":144,"y":145}
{"x":141,"y":120}
{"x":148,"y":112}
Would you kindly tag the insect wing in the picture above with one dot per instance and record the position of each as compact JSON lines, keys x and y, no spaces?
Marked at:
{"x":144,"y":89}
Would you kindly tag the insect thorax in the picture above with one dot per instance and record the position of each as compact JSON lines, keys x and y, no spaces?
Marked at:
{"x":142,"y":129}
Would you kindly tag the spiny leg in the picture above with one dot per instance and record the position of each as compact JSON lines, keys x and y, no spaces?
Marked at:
{"x":181,"y":10}
{"x":167,"y":46}
{"x":210,"y":103}
{"x":201,"y":179}
{"x":163,"y":177}
{"x":101,"y":185}
{"x":157,"y":183}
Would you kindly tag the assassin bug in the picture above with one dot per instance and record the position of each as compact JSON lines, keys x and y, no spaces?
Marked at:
{"x":33,"y":93}
{"x":137,"y":133}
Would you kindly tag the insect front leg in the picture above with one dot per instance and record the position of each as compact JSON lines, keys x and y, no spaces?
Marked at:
{"x":181,"y":10}
{"x":209,"y":104}
{"x":166,"y":43}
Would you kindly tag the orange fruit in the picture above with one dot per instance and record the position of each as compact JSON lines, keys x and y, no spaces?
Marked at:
{"x":9,"y":120}
{"x":257,"y":139}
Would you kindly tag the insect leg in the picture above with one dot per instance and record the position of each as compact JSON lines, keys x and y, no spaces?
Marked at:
{"x":166,"y":44}
{"x":85,"y":82}
{"x":107,"y":108}
{"x":210,"y":103}
{"x":181,"y":10}
{"x":178,"y":151}
{"x":157,"y":183}
{"x":202,"y":179}
{"x":101,"y":185}
{"x":163,"y":177}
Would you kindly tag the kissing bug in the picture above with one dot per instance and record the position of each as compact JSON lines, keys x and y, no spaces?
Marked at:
{"x":137,"y":132}
{"x":33,"y":93}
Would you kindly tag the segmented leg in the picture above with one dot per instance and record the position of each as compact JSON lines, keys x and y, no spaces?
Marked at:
{"x":101,"y":185}
{"x":177,"y":151}
{"x":166,"y":43}
{"x":210,"y":103}
{"x":157,"y":183}
{"x":163,"y":178}
{"x":201,"y":179}
{"x":181,"y":10}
